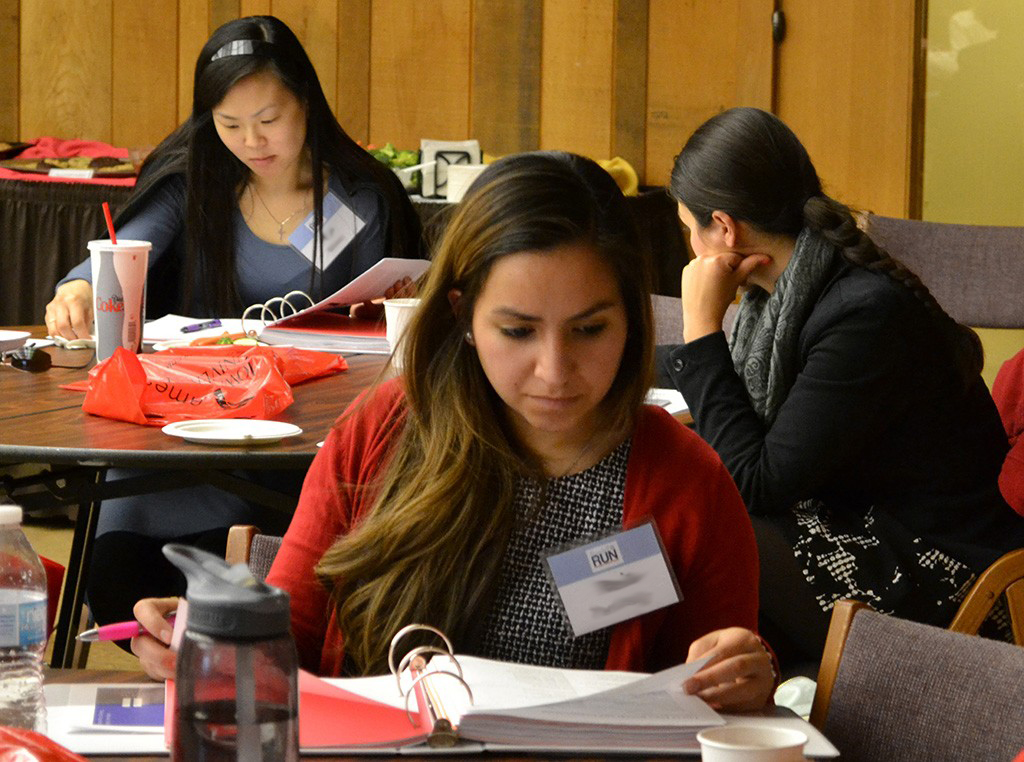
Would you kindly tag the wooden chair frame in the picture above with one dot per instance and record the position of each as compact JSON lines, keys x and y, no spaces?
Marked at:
{"x":239,"y":543}
{"x":843,"y":613}
{"x":1004,"y":576}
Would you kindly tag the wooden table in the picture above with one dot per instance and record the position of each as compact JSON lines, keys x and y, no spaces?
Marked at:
{"x":41,"y":423}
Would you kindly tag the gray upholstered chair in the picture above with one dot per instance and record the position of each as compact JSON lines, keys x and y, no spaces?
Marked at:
{"x":896,"y":690}
{"x":246,"y":545}
{"x":974,"y":271}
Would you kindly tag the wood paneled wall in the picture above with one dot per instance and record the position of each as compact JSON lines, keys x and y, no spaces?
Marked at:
{"x":628,"y":78}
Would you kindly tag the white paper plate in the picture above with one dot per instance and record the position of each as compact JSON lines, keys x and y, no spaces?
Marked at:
{"x":231,"y":431}
{"x":11,"y":340}
{"x":160,"y":346}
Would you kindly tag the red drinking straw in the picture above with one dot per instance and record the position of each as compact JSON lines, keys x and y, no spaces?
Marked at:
{"x":110,"y":223}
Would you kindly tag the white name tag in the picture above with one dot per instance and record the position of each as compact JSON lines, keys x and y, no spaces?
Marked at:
{"x":79,"y":174}
{"x":341,"y":225}
{"x":612,"y":579}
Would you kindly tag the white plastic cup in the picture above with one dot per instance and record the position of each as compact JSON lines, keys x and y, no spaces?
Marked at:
{"x":460,"y":177}
{"x":397,"y":314}
{"x":751,"y":743}
{"x":118,"y":294}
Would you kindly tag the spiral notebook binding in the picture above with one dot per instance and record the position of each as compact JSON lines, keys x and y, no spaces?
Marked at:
{"x":276,"y":308}
{"x":430,"y":703}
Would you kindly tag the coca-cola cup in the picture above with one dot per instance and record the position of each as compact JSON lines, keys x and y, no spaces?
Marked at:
{"x":118,"y":294}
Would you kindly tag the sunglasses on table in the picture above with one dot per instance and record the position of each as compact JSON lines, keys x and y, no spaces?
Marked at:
{"x":34,"y":361}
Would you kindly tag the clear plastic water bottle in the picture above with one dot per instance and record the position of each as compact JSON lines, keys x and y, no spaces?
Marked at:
{"x":236,"y":680}
{"x":22,"y":626}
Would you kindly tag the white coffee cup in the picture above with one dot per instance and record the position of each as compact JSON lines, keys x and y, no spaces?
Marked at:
{"x":751,"y":743}
{"x":118,"y":294}
{"x":397,"y":314}
{"x":460,"y":177}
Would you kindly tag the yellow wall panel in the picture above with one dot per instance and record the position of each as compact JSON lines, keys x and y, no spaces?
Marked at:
{"x":255,"y":8}
{"x":193,"y":32}
{"x":352,"y":106}
{"x":223,"y":11}
{"x":702,"y":58}
{"x":577,"y":76}
{"x":9,"y":66}
{"x":144,"y":49}
{"x":315,"y":23}
{"x":845,"y":86}
{"x":66,"y":83}
{"x":419,"y":72}
{"x":629,"y":86}
{"x":505,"y":115}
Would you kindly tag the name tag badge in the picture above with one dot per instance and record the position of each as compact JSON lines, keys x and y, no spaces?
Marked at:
{"x":341,"y":225}
{"x":614,"y":578}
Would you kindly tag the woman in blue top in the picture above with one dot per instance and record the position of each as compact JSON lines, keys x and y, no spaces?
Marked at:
{"x":258,"y":193}
{"x":230,"y":197}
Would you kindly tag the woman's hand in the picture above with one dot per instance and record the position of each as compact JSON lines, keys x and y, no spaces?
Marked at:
{"x":154,"y":646}
{"x":69,"y":314}
{"x":400,"y":288}
{"x":709,"y":285}
{"x":740,"y":675}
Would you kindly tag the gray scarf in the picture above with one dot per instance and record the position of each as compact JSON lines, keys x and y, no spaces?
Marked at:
{"x":766,"y":334}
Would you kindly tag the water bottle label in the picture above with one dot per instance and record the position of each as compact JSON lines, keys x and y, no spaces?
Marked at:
{"x":22,"y":624}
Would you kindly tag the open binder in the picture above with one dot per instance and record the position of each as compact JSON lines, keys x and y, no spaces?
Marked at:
{"x":469,"y":703}
{"x":433,"y":699}
{"x":294,"y":318}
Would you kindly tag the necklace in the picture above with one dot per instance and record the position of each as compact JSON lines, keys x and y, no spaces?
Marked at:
{"x":579,"y":456}
{"x":280,"y":223}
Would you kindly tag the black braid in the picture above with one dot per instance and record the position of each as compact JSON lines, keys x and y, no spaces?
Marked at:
{"x":836,"y":224}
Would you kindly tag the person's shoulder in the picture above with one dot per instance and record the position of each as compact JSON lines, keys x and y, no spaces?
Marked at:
{"x":870,"y":293}
{"x":660,"y":438}
{"x":382,"y":400}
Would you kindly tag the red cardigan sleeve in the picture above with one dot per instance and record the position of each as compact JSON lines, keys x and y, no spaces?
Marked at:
{"x":676,"y":478}
{"x":328,"y":507}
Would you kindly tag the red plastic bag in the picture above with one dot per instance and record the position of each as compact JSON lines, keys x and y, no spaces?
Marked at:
{"x":296,"y":365}
{"x":160,"y":389}
{"x":19,"y":745}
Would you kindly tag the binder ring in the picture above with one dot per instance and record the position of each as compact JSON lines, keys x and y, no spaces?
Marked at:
{"x":405,"y":631}
{"x":274,"y":309}
{"x":412,"y":689}
{"x":418,"y":652}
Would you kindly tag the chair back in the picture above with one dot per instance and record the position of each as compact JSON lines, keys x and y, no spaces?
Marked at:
{"x":668,"y":319}
{"x":974,"y":271}
{"x":1004,"y":577}
{"x":900,"y":690}
{"x":247,"y":545}
{"x":262,"y":553}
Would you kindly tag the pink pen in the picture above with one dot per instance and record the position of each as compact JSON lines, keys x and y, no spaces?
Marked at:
{"x":119,"y":631}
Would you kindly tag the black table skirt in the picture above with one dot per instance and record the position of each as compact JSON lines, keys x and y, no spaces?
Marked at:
{"x":44,"y":228}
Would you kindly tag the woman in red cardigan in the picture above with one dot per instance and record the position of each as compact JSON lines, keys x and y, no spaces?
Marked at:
{"x":516,"y":437}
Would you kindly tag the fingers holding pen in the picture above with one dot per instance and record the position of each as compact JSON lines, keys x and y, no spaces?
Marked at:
{"x":153,"y":646}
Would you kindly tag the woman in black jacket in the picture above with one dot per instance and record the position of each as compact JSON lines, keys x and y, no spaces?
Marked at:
{"x":847,"y":405}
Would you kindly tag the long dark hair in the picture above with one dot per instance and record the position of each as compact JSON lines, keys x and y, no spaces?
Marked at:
{"x":214,"y":177}
{"x":435,"y":537}
{"x":748,"y":163}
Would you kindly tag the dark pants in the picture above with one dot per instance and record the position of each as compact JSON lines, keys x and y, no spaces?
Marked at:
{"x":127,"y":567}
{"x":790,"y":618}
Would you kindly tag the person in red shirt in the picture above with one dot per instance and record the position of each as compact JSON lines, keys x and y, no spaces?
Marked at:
{"x":516,"y":429}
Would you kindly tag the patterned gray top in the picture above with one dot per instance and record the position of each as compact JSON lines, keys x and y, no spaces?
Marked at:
{"x":526,"y":623}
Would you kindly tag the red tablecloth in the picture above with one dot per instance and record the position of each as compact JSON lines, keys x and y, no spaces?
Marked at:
{"x":46,"y":147}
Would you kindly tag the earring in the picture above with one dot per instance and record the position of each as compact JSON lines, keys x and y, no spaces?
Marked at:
{"x":469,"y":339}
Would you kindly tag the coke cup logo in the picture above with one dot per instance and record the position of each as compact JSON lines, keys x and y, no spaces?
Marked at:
{"x":113,"y":304}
